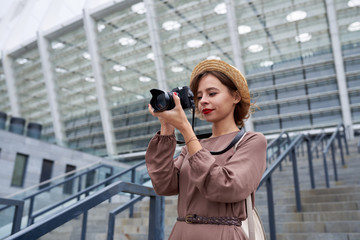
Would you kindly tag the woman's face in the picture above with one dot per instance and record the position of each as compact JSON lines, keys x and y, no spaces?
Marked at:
{"x":216,"y":103}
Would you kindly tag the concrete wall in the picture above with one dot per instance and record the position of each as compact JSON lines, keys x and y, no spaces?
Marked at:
{"x":11,"y":144}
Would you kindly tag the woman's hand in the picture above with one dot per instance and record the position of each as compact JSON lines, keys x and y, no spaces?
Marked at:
{"x":174,"y":118}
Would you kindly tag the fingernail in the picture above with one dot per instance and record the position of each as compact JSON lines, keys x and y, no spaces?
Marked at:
{"x":175,"y":93}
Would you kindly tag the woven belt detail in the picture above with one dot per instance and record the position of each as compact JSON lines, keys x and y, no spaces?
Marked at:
{"x":195,"y":219}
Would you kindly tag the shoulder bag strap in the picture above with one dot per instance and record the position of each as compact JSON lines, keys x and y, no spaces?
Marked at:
{"x":249,"y":210}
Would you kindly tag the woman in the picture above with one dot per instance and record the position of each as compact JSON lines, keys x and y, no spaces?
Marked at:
{"x":212,"y":188}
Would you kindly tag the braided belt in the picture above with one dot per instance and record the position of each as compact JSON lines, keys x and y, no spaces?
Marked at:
{"x":195,"y":219}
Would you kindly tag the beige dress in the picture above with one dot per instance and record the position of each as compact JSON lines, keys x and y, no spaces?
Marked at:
{"x":208,"y":185}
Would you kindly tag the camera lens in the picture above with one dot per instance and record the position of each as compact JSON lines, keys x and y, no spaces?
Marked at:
{"x":161,"y":100}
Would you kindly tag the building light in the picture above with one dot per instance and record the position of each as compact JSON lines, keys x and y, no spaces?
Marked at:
{"x":255,"y":48}
{"x":61,"y":70}
{"x":296,"y":16}
{"x":354,"y":3}
{"x":171,"y":25}
{"x":266,"y":63}
{"x":86,"y":55}
{"x":100,"y":27}
{"x":126,"y":41}
{"x":90,"y":98}
{"x":355,"y":26}
{"x":150,"y":56}
{"x":57,"y":45}
{"x":213,"y":57}
{"x":119,"y":68}
{"x":22,"y":61}
{"x":89,"y":79}
{"x":116,"y":88}
{"x":144,"y":79}
{"x":304,"y":37}
{"x":138,"y":8}
{"x":177,"y":69}
{"x":139,"y":97}
{"x":244,"y":29}
{"x":220,"y":8}
{"x":194,"y":43}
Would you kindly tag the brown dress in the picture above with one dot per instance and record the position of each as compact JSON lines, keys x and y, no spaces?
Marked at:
{"x":208,"y":185}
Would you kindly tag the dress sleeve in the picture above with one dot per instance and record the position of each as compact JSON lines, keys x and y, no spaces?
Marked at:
{"x":235,"y":178}
{"x":163,"y":169}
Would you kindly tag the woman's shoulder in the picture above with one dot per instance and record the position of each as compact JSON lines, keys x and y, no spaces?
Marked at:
{"x":252,"y":136}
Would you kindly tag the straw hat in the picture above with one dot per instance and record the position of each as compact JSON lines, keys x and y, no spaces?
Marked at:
{"x":232,"y":72}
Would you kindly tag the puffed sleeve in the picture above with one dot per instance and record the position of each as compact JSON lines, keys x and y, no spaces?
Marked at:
{"x":235,"y":178}
{"x":163,"y":169}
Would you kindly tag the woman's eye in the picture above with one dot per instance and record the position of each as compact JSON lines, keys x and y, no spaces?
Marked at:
{"x":199,"y":98}
{"x":212,"y":94}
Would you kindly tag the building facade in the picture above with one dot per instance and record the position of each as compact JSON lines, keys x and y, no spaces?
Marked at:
{"x":87,"y":81}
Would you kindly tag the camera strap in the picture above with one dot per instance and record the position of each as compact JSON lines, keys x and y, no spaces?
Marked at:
{"x":232,"y":143}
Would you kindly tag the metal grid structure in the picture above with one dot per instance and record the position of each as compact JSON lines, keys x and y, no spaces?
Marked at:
{"x":88,"y":80}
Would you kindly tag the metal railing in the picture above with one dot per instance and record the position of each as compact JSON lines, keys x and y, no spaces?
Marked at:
{"x":337,"y":135}
{"x":156,"y":216}
{"x":19,"y":207}
{"x":291,"y":152}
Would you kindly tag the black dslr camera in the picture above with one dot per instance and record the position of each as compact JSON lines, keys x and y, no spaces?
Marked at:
{"x":162,"y":100}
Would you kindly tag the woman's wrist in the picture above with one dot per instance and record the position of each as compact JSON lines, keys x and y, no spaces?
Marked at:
{"x":167,"y":130}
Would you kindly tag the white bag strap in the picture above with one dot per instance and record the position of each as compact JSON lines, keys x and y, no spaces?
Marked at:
{"x":249,"y":210}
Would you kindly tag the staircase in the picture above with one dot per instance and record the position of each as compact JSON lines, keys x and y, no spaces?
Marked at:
{"x":327,"y":213}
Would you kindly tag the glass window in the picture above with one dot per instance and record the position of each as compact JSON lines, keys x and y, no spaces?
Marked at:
{"x":19,"y":171}
{"x":46,"y":172}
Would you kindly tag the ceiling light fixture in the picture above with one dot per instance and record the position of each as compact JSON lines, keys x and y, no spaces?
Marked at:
{"x":177,"y":69}
{"x":22,"y":61}
{"x":171,"y":25}
{"x":244,"y":29}
{"x":144,"y":79}
{"x":100,"y":27}
{"x":89,"y":79}
{"x":304,"y":37}
{"x":296,"y":16}
{"x":194,"y":43}
{"x":353,"y":3}
{"x":213,"y":57}
{"x":116,"y":88}
{"x":57,"y":45}
{"x":266,"y":63}
{"x":139,"y":97}
{"x":355,"y":26}
{"x":61,"y":70}
{"x":126,"y":41}
{"x":86,"y":55}
{"x":150,"y":56}
{"x":255,"y":48}
{"x":220,"y":8}
{"x":119,"y":68}
{"x":138,"y":8}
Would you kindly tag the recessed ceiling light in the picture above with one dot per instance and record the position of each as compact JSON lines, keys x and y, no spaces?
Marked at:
{"x":354,"y":3}
{"x":138,"y":8}
{"x":355,"y":26}
{"x":61,"y":70}
{"x":139,"y":97}
{"x":177,"y":69}
{"x":194,"y":43}
{"x":304,"y":37}
{"x":171,"y":25}
{"x":266,"y":63}
{"x":116,"y":88}
{"x":119,"y":68}
{"x":244,"y":29}
{"x":150,"y":56}
{"x":296,"y":16}
{"x":255,"y":48}
{"x":86,"y":55}
{"x":213,"y":57}
{"x":22,"y":61}
{"x":89,"y":79}
{"x":90,"y":98}
{"x":220,"y":8}
{"x":126,"y":41}
{"x":144,"y":79}
{"x":57,"y":45}
{"x":100,"y":27}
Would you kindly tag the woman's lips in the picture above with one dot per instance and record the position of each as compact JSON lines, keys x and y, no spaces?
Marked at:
{"x":207,"y":111}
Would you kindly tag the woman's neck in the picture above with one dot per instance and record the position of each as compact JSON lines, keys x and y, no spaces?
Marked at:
{"x":222,"y":129}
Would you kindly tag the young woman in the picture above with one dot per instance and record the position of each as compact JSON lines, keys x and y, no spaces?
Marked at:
{"x":211,"y":188}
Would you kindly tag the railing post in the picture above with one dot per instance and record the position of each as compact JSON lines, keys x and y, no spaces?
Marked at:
{"x":84,"y":225}
{"x":131,"y":210}
{"x":271,"y":211}
{"x":31,"y":209}
{"x":326,"y":171}
{"x":79,"y":187}
{"x":296,"y":180}
{"x":334,"y":161}
{"x":311,"y":169}
{"x":19,"y":208}
{"x":156,"y":218}
{"x":341,"y":150}
{"x":111,"y":226}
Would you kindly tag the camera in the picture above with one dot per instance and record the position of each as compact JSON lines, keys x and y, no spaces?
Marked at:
{"x":162,"y":100}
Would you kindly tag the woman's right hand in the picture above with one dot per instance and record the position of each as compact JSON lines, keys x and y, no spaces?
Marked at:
{"x":166,"y":128}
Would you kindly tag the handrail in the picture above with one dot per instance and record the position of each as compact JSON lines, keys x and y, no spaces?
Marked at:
{"x":156,"y":216}
{"x":330,"y":145}
{"x":267,"y":178}
{"x":279,"y":146}
{"x":86,"y":191}
{"x":19,"y":207}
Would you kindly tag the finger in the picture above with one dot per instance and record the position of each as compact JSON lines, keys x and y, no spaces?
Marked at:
{"x":151,"y":110}
{"x":176,"y":99}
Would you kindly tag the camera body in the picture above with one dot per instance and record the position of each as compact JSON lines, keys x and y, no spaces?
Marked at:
{"x":162,"y":100}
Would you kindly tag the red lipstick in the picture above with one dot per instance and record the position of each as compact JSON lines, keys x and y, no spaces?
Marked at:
{"x":206,"y":111}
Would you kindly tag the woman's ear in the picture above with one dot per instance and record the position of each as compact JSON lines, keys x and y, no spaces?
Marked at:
{"x":237,"y":97}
